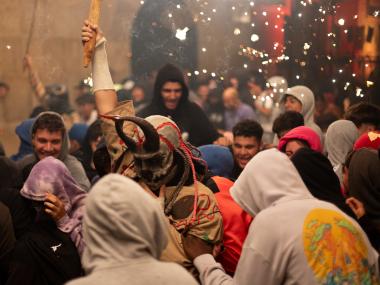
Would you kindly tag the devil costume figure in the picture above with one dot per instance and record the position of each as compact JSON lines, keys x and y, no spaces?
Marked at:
{"x":162,"y":158}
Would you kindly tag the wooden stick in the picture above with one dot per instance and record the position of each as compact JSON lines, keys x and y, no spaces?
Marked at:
{"x":89,"y":46}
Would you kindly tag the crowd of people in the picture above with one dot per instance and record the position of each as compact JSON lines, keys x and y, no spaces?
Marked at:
{"x":230,"y":183}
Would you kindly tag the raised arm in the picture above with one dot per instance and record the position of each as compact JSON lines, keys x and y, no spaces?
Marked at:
{"x":105,"y":95}
{"x":34,"y":79}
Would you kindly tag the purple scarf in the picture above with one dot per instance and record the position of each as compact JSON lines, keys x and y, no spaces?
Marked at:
{"x":51,"y":175}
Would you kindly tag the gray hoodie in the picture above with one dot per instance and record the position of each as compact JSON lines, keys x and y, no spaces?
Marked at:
{"x":125,"y":233}
{"x":340,"y":138}
{"x":306,"y":97}
{"x":294,"y":238}
{"x":72,"y":164}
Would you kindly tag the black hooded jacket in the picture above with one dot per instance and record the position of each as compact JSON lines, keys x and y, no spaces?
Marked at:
{"x":188,"y":116}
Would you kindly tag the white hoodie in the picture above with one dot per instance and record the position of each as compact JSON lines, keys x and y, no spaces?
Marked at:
{"x":294,"y":238}
{"x":125,"y":233}
{"x":306,"y":97}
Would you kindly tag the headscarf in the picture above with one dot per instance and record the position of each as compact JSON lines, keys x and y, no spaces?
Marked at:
{"x":23,"y":131}
{"x":122,"y":223}
{"x":364,"y":180}
{"x":268,"y":179}
{"x":306,"y":97}
{"x":368,"y":140}
{"x":319,"y":177}
{"x":219,"y":159}
{"x":51,"y":175}
{"x":340,"y":138}
{"x":302,"y":133}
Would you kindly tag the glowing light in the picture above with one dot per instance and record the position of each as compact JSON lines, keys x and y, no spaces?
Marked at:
{"x":204,"y":70}
{"x":170,"y":15}
{"x":142,"y":2}
{"x":341,"y":22}
{"x":178,"y":6}
{"x":306,"y":46}
{"x":189,"y":74}
{"x":353,"y":74}
{"x":252,"y":4}
{"x":299,"y":15}
{"x":264,"y":14}
{"x":181,"y":33}
{"x":266,"y":23}
{"x":254,"y":38}
{"x":340,"y":70}
{"x":204,"y":49}
{"x":214,"y":10}
{"x":297,"y":76}
{"x":245,"y":65}
{"x":355,"y":16}
{"x":213,"y":74}
{"x":370,"y":83}
{"x":233,"y":8}
{"x":196,"y":72}
{"x":333,"y":81}
{"x":237,"y":31}
{"x":8,"y":47}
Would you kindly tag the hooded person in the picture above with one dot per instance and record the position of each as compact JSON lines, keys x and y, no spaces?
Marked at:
{"x":235,"y":221}
{"x":170,"y":167}
{"x":319,"y":177}
{"x":301,"y":99}
{"x":50,"y":175}
{"x":299,"y":137}
{"x":294,"y":238}
{"x":364,"y":184}
{"x":126,"y":233}
{"x":50,"y":138}
{"x":339,"y":141}
{"x":368,"y":140}
{"x":170,"y":99}
{"x":23,"y":131}
{"x":49,"y":251}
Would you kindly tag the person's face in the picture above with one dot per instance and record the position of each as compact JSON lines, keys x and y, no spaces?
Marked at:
{"x":292,"y":147}
{"x":244,"y":148}
{"x":171,"y":93}
{"x":229,"y":100}
{"x":203,"y":91}
{"x":292,"y":104}
{"x":47,"y":143}
{"x":138,"y":94}
{"x":85,"y":110}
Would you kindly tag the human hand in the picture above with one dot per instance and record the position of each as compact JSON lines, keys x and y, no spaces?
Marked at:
{"x":356,"y":206}
{"x":195,"y":247}
{"x":54,"y":207}
{"x":89,"y":31}
{"x":27,"y":61}
{"x":222,"y":141}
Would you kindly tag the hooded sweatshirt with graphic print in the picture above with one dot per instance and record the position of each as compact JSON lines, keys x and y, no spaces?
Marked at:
{"x":126,"y":232}
{"x":294,"y":238}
